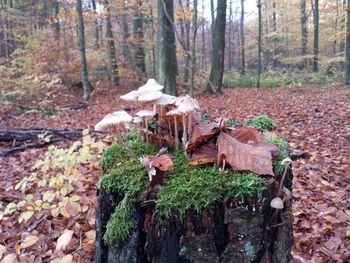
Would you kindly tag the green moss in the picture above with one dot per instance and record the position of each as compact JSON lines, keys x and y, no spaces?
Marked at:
{"x":282,"y":145}
{"x":121,"y":224}
{"x":262,"y":123}
{"x":187,"y":187}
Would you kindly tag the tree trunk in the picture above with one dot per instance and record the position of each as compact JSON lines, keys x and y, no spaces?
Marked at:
{"x":259,"y":44}
{"x":204,"y":64}
{"x":81,"y":36}
{"x":303,"y":21}
{"x":316,"y":24}
{"x":242,"y":39}
{"x":113,"y":66}
{"x":347,"y":49}
{"x":187,"y":44}
{"x":97,"y":33}
{"x":230,"y":48}
{"x":56,"y":25}
{"x":125,"y":36}
{"x":274,"y":39}
{"x":193,"y":47}
{"x":218,"y":50}
{"x":166,"y":49}
{"x":138,"y":38}
{"x":235,"y":230}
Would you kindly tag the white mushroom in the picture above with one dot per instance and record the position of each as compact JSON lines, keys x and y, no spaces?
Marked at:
{"x":286,"y":162}
{"x":151,"y":85}
{"x":164,"y":100}
{"x":187,"y":105}
{"x":131,"y":96}
{"x":175,"y":113}
{"x":277,"y":203}
{"x":138,"y":122}
{"x":111,"y":120}
{"x":144,"y":114}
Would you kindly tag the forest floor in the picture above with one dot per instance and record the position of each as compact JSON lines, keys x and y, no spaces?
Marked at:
{"x":314,"y":119}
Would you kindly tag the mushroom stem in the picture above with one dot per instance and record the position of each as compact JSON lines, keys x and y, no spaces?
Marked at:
{"x":184,"y":134}
{"x":176,"y":134}
{"x":146,"y":133}
{"x":282,"y":180}
{"x":144,"y":127}
{"x":189,"y":126}
{"x":161,"y":111}
{"x":169,"y":125}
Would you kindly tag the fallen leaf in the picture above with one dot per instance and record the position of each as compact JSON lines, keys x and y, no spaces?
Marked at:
{"x":63,"y":240}
{"x":29,"y":241}
{"x":10,"y":258}
{"x":91,"y":234}
{"x":2,"y":251}
{"x":163,"y":163}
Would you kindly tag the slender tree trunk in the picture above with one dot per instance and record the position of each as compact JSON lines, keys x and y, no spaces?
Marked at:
{"x":274,"y":39}
{"x":347,"y":48}
{"x":303,"y":21}
{"x":187,"y":44}
{"x":204,"y":65}
{"x":335,"y":36}
{"x":242,"y":39}
{"x":193,"y":48}
{"x":111,"y":53}
{"x":316,"y":24}
{"x":166,"y":49}
{"x":138,"y":38}
{"x":259,"y":44}
{"x":230,"y":49}
{"x":212,"y":13}
{"x":81,"y":33}
{"x":56,"y":25}
{"x":125,"y":37}
{"x":97,"y":33}
{"x":218,"y":51}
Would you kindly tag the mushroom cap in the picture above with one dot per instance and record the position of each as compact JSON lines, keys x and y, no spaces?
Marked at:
{"x":187,"y":104}
{"x":277,"y":203}
{"x":286,"y":161}
{"x":131,"y":96}
{"x":165,"y":99}
{"x":148,"y":96}
{"x":137,"y":120}
{"x":114,"y":118}
{"x":145,"y":113}
{"x":151,"y":85}
{"x":174,"y":112}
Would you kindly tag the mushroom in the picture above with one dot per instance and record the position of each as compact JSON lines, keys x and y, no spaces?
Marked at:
{"x":143,"y":114}
{"x":277,"y":203}
{"x":187,"y":105}
{"x":131,"y":96}
{"x":112,"y":120}
{"x":138,"y":122}
{"x":175,"y":113}
{"x":151,"y":85}
{"x":164,"y":100}
{"x":286,"y":162}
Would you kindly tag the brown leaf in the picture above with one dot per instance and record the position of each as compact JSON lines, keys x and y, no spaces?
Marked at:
{"x":207,"y":153}
{"x":201,"y":134}
{"x":10,"y":258}
{"x":63,"y":240}
{"x":244,"y":157}
{"x":163,"y":163}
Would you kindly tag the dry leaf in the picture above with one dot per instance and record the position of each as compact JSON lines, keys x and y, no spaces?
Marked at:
{"x":207,"y":153}
{"x":63,"y":240}
{"x":163,"y":163}
{"x":91,"y":235}
{"x":2,"y":251}
{"x":10,"y":258}
{"x":66,"y":259}
{"x":244,"y":157}
{"x":29,"y":241}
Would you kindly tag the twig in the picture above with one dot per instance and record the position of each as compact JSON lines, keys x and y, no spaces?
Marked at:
{"x":37,"y":223}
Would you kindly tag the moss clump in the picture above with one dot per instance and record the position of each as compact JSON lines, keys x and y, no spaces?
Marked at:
{"x":262,"y":123}
{"x":282,"y":145}
{"x":187,"y":187}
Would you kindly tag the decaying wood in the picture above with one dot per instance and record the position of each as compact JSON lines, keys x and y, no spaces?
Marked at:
{"x":25,"y":138}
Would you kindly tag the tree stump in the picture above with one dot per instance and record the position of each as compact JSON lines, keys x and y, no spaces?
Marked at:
{"x":231,"y":230}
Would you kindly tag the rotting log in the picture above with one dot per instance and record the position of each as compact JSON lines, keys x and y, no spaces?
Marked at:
{"x":232,"y":230}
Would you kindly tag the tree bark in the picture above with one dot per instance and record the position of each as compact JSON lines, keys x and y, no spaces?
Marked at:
{"x":218,"y":51}
{"x":193,"y":47}
{"x":81,"y":36}
{"x":56,"y":25}
{"x":315,"y":46}
{"x":97,"y":33}
{"x":347,"y":48}
{"x":259,"y":44}
{"x":187,"y":45}
{"x":166,"y":49}
{"x":230,"y":48}
{"x":111,"y":53}
{"x":274,"y":39}
{"x":138,"y":38}
{"x":242,"y":39}
{"x":303,"y":21}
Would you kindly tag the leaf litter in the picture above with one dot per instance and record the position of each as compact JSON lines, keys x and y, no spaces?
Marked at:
{"x":312,"y":119}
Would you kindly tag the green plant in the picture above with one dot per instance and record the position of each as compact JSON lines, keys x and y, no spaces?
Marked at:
{"x":276,"y":162}
{"x":262,"y":122}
